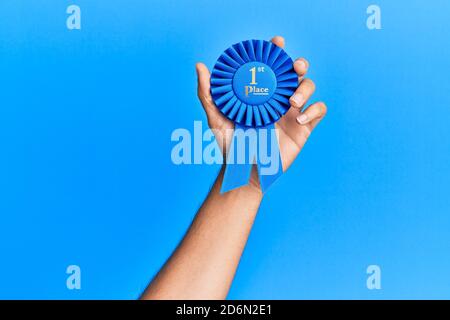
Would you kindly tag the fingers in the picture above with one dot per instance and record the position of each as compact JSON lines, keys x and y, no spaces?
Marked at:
{"x":279,"y":41}
{"x":215,"y":119}
{"x":301,"y":66}
{"x":204,"y":86}
{"x":307,"y":87}
{"x":302,"y":94}
{"x":313,"y":114}
{"x":204,"y":91}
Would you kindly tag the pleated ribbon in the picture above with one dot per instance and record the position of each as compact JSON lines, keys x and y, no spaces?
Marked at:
{"x":251,"y":83}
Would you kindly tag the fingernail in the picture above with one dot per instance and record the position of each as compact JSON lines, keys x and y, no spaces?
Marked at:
{"x":297,"y":99}
{"x":301,"y":64}
{"x":302,"y":119}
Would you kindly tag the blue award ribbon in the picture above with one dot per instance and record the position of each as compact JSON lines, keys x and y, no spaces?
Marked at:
{"x":251,"y":83}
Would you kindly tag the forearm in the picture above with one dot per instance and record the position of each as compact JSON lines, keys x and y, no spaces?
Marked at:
{"x":204,"y":264}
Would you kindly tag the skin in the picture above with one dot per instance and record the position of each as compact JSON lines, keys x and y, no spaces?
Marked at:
{"x":204,"y":263}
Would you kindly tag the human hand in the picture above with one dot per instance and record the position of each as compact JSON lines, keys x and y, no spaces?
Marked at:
{"x":294,"y":128}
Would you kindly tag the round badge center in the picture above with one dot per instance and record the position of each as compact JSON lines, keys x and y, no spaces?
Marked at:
{"x":254,"y":83}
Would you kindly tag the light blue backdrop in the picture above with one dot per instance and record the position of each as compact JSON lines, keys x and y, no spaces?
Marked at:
{"x":86,"y":176}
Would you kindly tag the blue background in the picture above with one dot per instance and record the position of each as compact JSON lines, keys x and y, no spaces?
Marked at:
{"x":86,"y":176}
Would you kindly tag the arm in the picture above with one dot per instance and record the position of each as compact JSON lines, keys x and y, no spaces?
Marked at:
{"x":204,"y":264}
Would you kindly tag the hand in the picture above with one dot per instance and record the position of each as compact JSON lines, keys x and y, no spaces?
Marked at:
{"x":294,"y":127}
{"x":204,"y":263}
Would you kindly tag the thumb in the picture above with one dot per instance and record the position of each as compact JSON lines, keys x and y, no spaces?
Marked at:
{"x":204,"y":90}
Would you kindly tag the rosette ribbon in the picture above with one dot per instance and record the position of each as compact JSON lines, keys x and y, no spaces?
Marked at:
{"x":251,"y":83}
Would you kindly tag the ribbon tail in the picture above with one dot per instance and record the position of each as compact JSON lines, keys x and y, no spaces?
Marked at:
{"x":236,"y":174}
{"x":270,"y":167}
{"x":266,"y":155}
